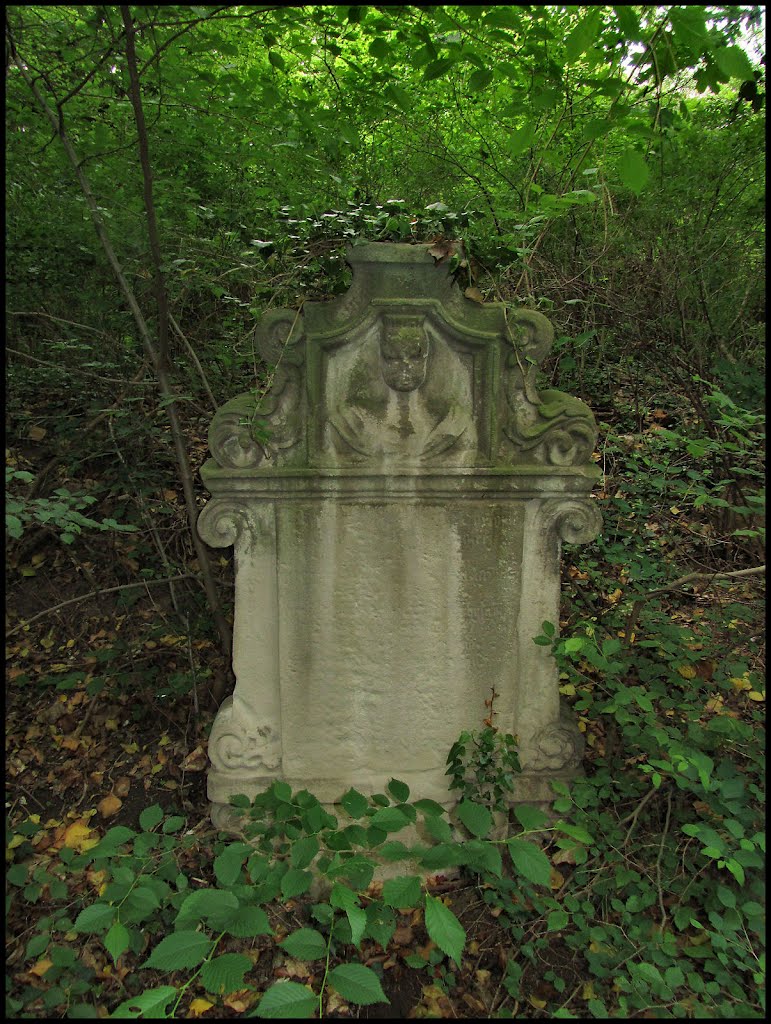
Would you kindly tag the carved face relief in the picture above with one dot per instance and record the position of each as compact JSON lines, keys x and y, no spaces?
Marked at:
{"x":403,"y":355}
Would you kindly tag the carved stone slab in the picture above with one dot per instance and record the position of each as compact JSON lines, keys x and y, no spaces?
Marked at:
{"x":396,"y":499}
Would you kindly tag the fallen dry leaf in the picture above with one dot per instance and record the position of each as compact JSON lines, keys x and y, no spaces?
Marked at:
{"x":77,"y":836}
{"x":196,"y":761}
{"x":122,"y":786}
{"x":199,"y":1006}
{"x":41,"y":967}
{"x":474,"y":294}
{"x":109,"y":806}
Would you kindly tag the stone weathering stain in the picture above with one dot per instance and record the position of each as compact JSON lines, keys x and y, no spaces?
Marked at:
{"x":396,"y":504}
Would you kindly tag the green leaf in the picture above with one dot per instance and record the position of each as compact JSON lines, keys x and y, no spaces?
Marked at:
{"x":628,"y":22}
{"x":358,"y":984}
{"x":227,"y":867}
{"x":399,"y":96}
{"x":444,"y":928}
{"x":530,"y":861}
{"x":582,"y":36}
{"x":150,"y":817}
{"x":342,"y":897}
{"x":303,"y":851}
{"x":633,"y":171}
{"x":734,"y":62}
{"x":437,"y":68}
{"x":428,"y":807}
{"x":151,"y":1004}
{"x":380,"y":49}
{"x":203,"y":905}
{"x":287,"y":999}
{"x":530,"y":817}
{"x":17,"y":875}
{"x":399,"y":790}
{"x":305,"y":944}
{"x":574,"y":831}
{"x":117,"y":941}
{"x":479,"y":80}
{"x":481,"y":856}
{"x":246,"y":922}
{"x":357,"y":919}
{"x":182,"y":949}
{"x":354,"y":803}
{"x":403,"y":891}
{"x":295,"y":882}
{"x":519,"y":139}
{"x":381,"y":923}
{"x":389,"y":819}
{"x":96,"y":918}
{"x":277,"y":60}
{"x":557,"y":920}
{"x":225,"y":973}
{"x":475,"y":817}
{"x":439,"y":829}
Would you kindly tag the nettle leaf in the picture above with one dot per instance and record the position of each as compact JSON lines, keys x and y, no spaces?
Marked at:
{"x":305,"y":944}
{"x":358,"y":984}
{"x":225,"y":973}
{"x":399,"y":790}
{"x":287,"y":999}
{"x":96,"y":918}
{"x":403,"y":891}
{"x":633,"y":171}
{"x":117,"y":941}
{"x":734,"y":62}
{"x":182,"y":949}
{"x":444,"y":928}
{"x":475,"y":817}
{"x":151,"y":1004}
{"x":530,"y":861}
{"x":227,"y":867}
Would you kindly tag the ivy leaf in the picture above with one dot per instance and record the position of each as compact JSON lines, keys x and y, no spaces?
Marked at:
{"x":633,"y":171}
{"x":225,"y":974}
{"x":180,"y":950}
{"x":444,"y":928}
{"x":287,"y":999}
{"x":358,"y":984}
{"x":530,"y":861}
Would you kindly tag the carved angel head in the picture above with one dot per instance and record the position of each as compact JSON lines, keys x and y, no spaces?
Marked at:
{"x":403,"y":353}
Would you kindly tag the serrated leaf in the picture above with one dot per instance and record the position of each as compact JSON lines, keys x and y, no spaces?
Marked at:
{"x":180,"y":950}
{"x":381,"y":923}
{"x":358,"y":984}
{"x":399,"y":790}
{"x":305,"y":944}
{"x":151,"y":1004}
{"x":246,"y":923}
{"x":475,"y":817}
{"x":438,"y":829}
{"x":117,"y":941}
{"x":227,"y":867}
{"x":734,"y":62}
{"x":277,"y":60}
{"x":380,"y":49}
{"x":389,"y":819}
{"x":354,"y":803}
{"x":303,"y":851}
{"x":342,"y":897}
{"x":530,"y":817}
{"x":357,"y":919}
{"x":481,"y":856}
{"x":212,"y":905}
{"x":295,"y":882}
{"x":437,"y":68}
{"x":225,"y":973}
{"x":96,"y":918}
{"x":582,"y":36}
{"x":149,"y":818}
{"x":403,"y":891}
{"x":530,"y":861}
{"x":479,"y":80}
{"x":557,"y":920}
{"x":633,"y":171}
{"x":574,"y":831}
{"x":444,"y":928}
{"x":428,"y":807}
{"x":287,"y":999}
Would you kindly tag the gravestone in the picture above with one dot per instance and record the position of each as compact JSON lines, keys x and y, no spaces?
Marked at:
{"x":396,"y":504}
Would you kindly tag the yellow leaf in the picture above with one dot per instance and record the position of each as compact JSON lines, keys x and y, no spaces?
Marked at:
{"x":588,"y":991}
{"x":109,"y":806}
{"x":615,"y":596}
{"x":78,"y":837}
{"x":130,"y":748}
{"x":199,"y":1006}
{"x":741,"y":682}
{"x":164,"y":740}
{"x":539,"y":1004}
{"x":556,"y":880}
{"x":475,"y":295}
{"x":754,"y":695}
{"x":686,"y":671}
{"x":172,"y":496}
{"x":581,"y":728}
{"x":17,"y":840}
{"x":111,"y":724}
{"x":568,"y":690}
{"x":41,"y":967}
{"x":675,"y":510}
{"x":156,"y":768}
{"x":36,"y":433}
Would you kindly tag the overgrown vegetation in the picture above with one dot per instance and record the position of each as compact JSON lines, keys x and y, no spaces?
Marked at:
{"x":602,"y":164}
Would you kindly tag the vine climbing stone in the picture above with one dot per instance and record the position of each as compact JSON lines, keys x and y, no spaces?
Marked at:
{"x":397,"y":501}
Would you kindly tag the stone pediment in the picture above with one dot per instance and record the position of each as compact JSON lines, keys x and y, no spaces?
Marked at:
{"x":402,"y":372}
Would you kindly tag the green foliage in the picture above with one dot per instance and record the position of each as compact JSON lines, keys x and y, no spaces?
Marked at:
{"x":482,"y":766}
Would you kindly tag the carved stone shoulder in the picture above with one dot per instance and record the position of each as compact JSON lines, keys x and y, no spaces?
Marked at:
{"x":574,"y":520}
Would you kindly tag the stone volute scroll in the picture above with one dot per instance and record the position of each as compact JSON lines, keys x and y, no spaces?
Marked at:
{"x":397,"y":497}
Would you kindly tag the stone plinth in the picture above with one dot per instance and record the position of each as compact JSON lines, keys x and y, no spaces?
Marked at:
{"x":396,"y":503}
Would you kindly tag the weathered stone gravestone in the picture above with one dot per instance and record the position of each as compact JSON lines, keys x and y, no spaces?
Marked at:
{"x":397,"y":506}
